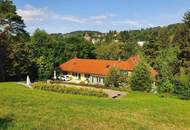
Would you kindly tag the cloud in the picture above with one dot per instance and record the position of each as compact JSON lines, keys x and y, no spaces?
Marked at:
{"x":128,"y":22}
{"x":151,"y":25}
{"x":31,"y":14}
{"x":92,"y":19}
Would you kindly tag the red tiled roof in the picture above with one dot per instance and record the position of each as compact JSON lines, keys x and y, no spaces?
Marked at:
{"x":100,"y":67}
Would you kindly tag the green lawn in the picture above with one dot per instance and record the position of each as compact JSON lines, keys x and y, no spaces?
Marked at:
{"x":25,"y":109}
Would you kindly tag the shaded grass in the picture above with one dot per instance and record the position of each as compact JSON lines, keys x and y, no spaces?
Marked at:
{"x":35,"y":109}
{"x":5,"y":122}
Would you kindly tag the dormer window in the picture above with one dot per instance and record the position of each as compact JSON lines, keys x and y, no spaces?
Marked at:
{"x":107,"y":66}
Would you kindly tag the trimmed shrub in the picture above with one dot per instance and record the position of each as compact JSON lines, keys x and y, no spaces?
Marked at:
{"x":69,"y":90}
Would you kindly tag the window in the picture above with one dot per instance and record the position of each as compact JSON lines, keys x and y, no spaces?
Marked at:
{"x":74,"y":74}
{"x":92,"y":79}
{"x":125,"y":73}
{"x":87,"y":75}
{"x":99,"y":79}
{"x":79,"y":76}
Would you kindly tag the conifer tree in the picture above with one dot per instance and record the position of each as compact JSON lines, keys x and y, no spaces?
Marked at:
{"x":182,"y":40}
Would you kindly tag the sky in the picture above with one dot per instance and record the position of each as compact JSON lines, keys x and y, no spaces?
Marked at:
{"x":63,"y":16}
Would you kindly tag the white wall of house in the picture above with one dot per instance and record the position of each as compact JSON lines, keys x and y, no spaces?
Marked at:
{"x":86,"y":78}
{"x":96,"y":80}
{"x":90,"y":79}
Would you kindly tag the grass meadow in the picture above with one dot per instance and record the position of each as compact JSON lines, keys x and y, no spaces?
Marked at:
{"x":27,"y":109}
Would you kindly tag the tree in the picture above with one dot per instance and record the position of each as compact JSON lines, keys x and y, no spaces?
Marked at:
{"x":78,"y":47}
{"x":4,"y":50}
{"x":9,"y":20}
{"x":166,"y":63}
{"x":110,"y":51}
{"x":113,"y":78}
{"x":21,"y":62}
{"x":12,"y":35}
{"x":158,"y":40}
{"x":182,"y":40}
{"x":43,"y":47}
{"x":124,"y":36}
{"x":141,"y":78}
{"x":182,"y":85}
{"x":129,"y":49}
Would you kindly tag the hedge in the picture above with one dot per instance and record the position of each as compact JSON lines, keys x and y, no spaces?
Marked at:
{"x":182,"y":89}
{"x":68,"y":90}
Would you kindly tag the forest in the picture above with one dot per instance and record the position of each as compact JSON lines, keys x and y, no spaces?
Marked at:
{"x":166,"y":49}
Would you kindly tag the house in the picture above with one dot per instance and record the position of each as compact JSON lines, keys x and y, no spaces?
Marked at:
{"x":141,"y":43}
{"x":93,"y":71}
{"x":87,"y":36}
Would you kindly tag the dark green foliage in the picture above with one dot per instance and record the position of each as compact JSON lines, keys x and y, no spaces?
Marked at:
{"x":42,"y":46}
{"x":78,"y":47}
{"x":166,"y":66}
{"x":158,"y":39}
{"x":141,"y":78}
{"x":113,"y":78}
{"x":182,"y":89}
{"x":116,"y":50}
{"x":69,"y":90}
{"x":111,"y":51}
{"x":129,"y":49}
{"x":20,"y":61}
{"x":182,"y":40}
{"x":166,"y":63}
{"x":14,"y":58}
{"x":182,"y":85}
{"x":9,"y":20}
{"x":4,"y":50}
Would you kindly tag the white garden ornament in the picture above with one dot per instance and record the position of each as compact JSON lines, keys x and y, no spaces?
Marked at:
{"x":28,"y":83}
{"x":54,"y":77}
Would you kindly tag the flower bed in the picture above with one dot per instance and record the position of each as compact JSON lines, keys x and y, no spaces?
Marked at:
{"x":69,"y":90}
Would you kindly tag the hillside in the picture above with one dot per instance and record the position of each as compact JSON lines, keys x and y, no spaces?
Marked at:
{"x":23,"y":108}
{"x":81,"y":33}
{"x":133,"y":36}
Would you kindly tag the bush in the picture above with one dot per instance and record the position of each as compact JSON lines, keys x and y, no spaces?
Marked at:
{"x":166,"y":87}
{"x":113,"y":78}
{"x":141,"y":78}
{"x":182,"y":89}
{"x":182,"y":86}
{"x":69,"y":90}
